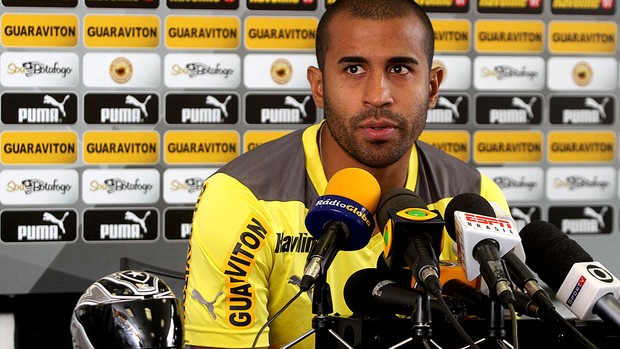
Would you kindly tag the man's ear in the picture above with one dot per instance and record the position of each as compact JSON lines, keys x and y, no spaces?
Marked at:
{"x":315,"y":78}
{"x":436,"y":76}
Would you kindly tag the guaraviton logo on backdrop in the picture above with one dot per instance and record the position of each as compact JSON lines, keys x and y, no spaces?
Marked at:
{"x":455,"y":143}
{"x":582,"y":37}
{"x":508,"y":146}
{"x":452,"y":35}
{"x":121,"y":31}
{"x":295,"y":33}
{"x":201,"y":147}
{"x":216,"y":32}
{"x":581,"y":146}
{"x":37,"y":30}
{"x":124,"y":147}
{"x":510,"y":36}
{"x":38,"y":147}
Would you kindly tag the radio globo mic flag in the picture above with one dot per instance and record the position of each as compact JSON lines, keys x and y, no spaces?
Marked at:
{"x":342,"y":219}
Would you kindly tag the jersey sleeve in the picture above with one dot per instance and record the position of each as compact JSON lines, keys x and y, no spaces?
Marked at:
{"x":228,"y":266}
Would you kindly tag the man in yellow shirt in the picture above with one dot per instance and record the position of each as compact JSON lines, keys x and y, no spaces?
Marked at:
{"x":249,"y":243}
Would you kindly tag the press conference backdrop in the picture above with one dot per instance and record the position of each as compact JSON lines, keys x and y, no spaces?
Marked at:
{"x":113,"y":112}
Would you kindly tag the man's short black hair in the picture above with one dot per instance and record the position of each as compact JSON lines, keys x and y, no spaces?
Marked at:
{"x":373,"y":10}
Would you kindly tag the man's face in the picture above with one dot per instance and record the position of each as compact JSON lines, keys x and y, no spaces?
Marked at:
{"x":376,"y":87}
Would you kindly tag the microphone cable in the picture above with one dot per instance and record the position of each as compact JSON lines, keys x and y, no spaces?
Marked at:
{"x":275,"y":316}
{"x":452,"y":319}
{"x":513,"y":326}
{"x":578,"y":335}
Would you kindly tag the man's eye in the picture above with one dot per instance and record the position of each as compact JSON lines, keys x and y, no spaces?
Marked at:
{"x":399,"y":69}
{"x":354,"y":69}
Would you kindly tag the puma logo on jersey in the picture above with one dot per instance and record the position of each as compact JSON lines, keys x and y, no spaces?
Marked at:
{"x":209,"y":305}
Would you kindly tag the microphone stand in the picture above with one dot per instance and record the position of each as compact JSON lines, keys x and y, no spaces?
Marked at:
{"x":423,"y":320}
{"x":322,"y":323}
{"x":421,"y":328}
{"x":497,"y":331}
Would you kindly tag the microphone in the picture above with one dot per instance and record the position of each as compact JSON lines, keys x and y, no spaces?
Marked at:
{"x":482,"y":239}
{"x":526,"y":306}
{"x":525,"y":280}
{"x":373,"y":292}
{"x":476,"y":302}
{"x":412,"y":236}
{"x":584,"y":286}
{"x":342,"y":219}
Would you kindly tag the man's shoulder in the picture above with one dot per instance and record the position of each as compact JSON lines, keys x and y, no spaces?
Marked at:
{"x":441,"y":175}
{"x":275,"y":170}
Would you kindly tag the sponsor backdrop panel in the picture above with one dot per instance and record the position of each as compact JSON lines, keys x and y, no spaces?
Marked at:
{"x":113,"y":113}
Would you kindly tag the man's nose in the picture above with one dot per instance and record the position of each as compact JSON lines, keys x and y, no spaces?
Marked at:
{"x":378,"y":90}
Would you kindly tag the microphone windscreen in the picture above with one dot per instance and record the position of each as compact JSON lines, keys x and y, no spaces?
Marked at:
{"x":397,"y":199}
{"x":466,"y":202}
{"x":357,"y":185}
{"x":360,"y":291}
{"x":550,"y":253}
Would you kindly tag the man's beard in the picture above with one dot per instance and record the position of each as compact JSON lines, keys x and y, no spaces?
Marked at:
{"x":377,"y":154}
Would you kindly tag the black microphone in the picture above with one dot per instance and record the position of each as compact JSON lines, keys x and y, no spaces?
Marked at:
{"x":584,"y":286}
{"x":475,"y":301}
{"x":412,"y":236}
{"x":525,"y":280}
{"x":373,"y":292}
{"x":524,"y":305}
{"x":471,"y":222}
{"x":342,"y":219}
